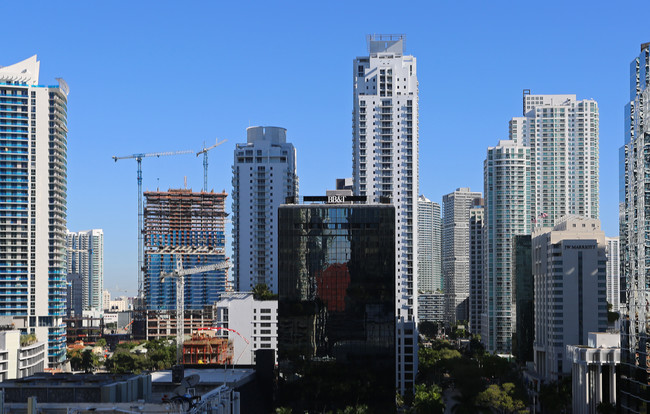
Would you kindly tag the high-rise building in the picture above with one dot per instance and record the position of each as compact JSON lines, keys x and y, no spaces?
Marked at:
{"x":181,"y":224}
{"x":523,"y":297}
{"x":33,"y":138}
{"x":264,"y":175}
{"x":85,"y":256}
{"x":75,"y":294}
{"x":431,"y":307}
{"x":455,"y":251}
{"x":634,"y":233}
{"x":385,"y":164}
{"x":569,"y":270}
{"x":429,"y":234}
{"x":476,"y":220}
{"x":507,"y":213}
{"x":613,"y":272}
{"x":336,"y":311}
{"x":562,"y":133}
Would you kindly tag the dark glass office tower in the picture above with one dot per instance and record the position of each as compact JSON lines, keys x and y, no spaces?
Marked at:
{"x":336,"y":317}
{"x":523,"y":296}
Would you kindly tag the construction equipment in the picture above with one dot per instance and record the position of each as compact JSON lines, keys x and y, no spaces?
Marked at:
{"x":179,"y":274}
{"x":204,"y":151}
{"x":138,"y":158}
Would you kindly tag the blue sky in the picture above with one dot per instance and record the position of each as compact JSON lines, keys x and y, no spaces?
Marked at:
{"x":163,"y":76}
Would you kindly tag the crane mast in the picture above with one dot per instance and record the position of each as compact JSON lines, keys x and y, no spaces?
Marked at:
{"x":138,"y":158}
{"x":204,"y":151}
{"x":179,"y":274}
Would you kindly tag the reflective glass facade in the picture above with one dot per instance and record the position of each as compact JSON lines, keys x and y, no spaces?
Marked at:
{"x":336,"y":315}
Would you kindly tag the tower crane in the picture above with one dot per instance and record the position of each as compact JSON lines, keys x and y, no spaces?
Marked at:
{"x":204,"y":151}
{"x":179,"y":274}
{"x":138,"y":158}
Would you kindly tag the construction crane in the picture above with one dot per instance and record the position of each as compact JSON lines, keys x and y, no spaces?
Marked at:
{"x":138,"y":158}
{"x":179,"y":274}
{"x":204,"y":151}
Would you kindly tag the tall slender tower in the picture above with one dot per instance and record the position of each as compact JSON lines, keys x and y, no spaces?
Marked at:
{"x":562,"y":133}
{"x":385,"y":164}
{"x":264,"y":175}
{"x":85,"y":251}
{"x":634,"y":236}
{"x":33,"y":147}
{"x":613,"y":272}
{"x":455,"y":252}
{"x":507,"y":214}
{"x":429,"y":276}
{"x":476,"y":219}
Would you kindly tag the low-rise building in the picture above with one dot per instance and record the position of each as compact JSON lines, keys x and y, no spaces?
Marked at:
{"x":20,"y":355}
{"x":251,"y":324}
{"x":594,"y":371}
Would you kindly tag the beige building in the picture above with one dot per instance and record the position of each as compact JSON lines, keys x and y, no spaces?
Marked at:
{"x":569,"y":272}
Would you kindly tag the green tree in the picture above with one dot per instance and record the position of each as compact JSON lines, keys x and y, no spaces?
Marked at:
{"x":261,"y":292}
{"x":161,"y":354}
{"x":428,"y":400}
{"x":501,"y":398}
{"x":28,"y":339}
{"x":283,"y":410}
{"x":89,"y":361}
{"x":124,"y":362}
{"x":75,"y":360}
{"x":555,"y":397}
{"x":428,"y":329}
{"x":101,"y":342}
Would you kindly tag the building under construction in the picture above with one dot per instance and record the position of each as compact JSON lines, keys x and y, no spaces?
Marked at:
{"x":205,"y":348}
{"x":181,"y":224}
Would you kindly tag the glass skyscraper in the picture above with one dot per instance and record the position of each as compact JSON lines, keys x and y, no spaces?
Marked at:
{"x":336,"y":316}
{"x":634,"y":246}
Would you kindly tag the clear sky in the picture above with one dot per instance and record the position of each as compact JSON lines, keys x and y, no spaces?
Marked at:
{"x":153,"y":76}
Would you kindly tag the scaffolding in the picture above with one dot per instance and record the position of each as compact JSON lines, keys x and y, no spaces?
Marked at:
{"x":190,"y":225}
{"x":204,"y":348}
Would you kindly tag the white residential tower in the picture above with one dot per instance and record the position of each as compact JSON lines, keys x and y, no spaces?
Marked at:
{"x":385,"y":164}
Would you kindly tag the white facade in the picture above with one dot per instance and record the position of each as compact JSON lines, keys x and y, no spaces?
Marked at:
{"x":18,"y":361}
{"x":455,"y":251}
{"x":33,"y":177}
{"x":569,"y":272}
{"x":507,"y":213}
{"x":563,"y":135}
{"x":429,"y":235}
{"x":85,"y":256}
{"x":613,"y":272}
{"x":385,"y":164}
{"x":594,"y":371}
{"x":264,"y":175}
{"x":476,"y":219}
{"x":106,"y":299}
{"x":256,"y":321}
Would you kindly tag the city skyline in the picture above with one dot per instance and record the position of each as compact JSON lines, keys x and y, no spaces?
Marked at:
{"x":110,"y":80}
